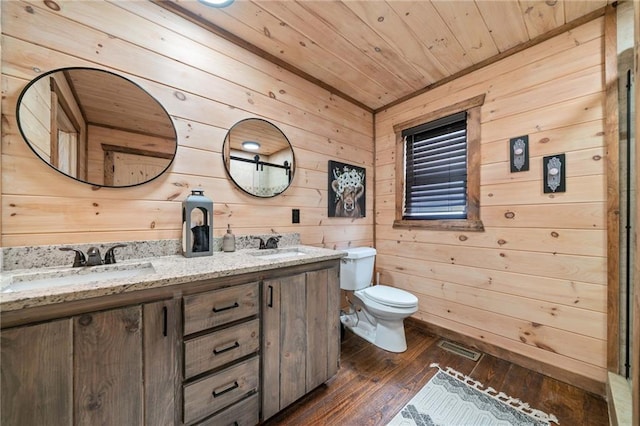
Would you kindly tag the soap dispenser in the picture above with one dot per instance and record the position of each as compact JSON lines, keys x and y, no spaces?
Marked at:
{"x":229,"y":240}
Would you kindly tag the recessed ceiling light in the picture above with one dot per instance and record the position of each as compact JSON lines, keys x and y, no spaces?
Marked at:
{"x":251,"y":145}
{"x":216,"y":3}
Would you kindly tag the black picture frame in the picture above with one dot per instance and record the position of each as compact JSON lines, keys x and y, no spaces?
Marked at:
{"x":347,"y":190}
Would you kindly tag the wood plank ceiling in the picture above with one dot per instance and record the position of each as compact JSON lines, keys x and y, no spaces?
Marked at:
{"x":377,"y":52}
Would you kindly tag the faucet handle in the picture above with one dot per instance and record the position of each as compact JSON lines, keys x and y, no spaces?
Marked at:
{"x":272,"y":242}
{"x":79,"y":260}
{"x":262,"y":245}
{"x":109,"y":256}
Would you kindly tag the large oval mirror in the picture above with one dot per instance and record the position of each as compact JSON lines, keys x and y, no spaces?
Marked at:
{"x":258,"y":157}
{"x":96,"y":127}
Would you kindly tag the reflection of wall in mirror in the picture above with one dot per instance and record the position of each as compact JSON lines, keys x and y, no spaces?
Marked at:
{"x":35,"y":117}
{"x":50,"y":116}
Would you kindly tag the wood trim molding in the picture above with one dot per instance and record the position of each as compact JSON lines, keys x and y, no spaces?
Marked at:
{"x":198,"y":20}
{"x":466,"y":104}
{"x":136,"y":151}
{"x":558,"y":373}
{"x":473,"y":222}
{"x":635,"y":358}
{"x":441,"y":225}
{"x":618,"y":400}
{"x":611,"y":141}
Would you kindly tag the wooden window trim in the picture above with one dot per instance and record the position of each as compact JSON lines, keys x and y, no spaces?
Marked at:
{"x":473,"y":222}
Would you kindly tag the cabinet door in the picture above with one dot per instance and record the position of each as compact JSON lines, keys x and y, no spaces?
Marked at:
{"x":323,"y":326}
{"x":283,"y":343}
{"x":161,"y":367}
{"x":108,"y":367}
{"x":270,"y":348}
{"x":301,"y":336}
{"x":293,"y":339}
{"x":37,"y":384}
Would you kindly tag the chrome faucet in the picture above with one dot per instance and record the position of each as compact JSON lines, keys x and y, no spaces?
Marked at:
{"x":93,"y":257}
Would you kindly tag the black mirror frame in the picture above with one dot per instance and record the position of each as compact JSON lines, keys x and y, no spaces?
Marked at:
{"x":293,"y":159}
{"x":24,"y":137}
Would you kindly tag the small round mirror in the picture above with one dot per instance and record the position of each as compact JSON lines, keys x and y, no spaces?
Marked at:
{"x":258,"y":157}
{"x":96,"y":127}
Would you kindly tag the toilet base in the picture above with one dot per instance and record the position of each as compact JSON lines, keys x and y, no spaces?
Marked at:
{"x":387,"y":335}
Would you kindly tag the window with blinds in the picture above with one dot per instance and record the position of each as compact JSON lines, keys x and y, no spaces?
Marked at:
{"x":436,"y":169}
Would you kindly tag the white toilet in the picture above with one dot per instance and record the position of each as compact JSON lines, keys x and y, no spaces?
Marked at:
{"x":383,"y":308}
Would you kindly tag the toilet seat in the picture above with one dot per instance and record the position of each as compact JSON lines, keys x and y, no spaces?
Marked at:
{"x":390,"y":296}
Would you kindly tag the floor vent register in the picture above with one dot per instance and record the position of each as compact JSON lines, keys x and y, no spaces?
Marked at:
{"x":459,"y":350}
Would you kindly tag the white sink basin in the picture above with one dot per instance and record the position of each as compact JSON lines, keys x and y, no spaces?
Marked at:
{"x":76,"y":276}
{"x":276,"y":254}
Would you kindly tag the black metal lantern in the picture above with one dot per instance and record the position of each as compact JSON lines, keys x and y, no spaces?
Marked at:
{"x":197,"y":225}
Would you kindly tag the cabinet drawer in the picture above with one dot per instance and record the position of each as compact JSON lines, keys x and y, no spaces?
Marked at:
{"x":220,"y":390}
{"x":244,"y":413}
{"x":218,"y":307}
{"x":221,"y":347}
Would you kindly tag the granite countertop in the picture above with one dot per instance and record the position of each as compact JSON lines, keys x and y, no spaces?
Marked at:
{"x":65,"y":284}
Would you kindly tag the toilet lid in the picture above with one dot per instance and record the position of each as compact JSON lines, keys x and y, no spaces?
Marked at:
{"x":391,"y":296}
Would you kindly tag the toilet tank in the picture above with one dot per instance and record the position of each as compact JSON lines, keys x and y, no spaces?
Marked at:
{"x":356,"y":269}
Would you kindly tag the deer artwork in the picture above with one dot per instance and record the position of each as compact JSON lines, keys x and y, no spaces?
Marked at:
{"x":348,"y":186}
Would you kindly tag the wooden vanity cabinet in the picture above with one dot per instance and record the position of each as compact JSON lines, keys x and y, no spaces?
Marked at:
{"x":221,"y":356}
{"x":300,"y":336}
{"x":110,"y":367}
{"x":37,"y":374}
{"x":234,"y":350}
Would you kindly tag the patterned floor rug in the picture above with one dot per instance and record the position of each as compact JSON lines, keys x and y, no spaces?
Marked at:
{"x":452,"y":399}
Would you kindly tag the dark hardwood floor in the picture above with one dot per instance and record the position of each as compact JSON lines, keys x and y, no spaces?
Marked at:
{"x":372,"y":385}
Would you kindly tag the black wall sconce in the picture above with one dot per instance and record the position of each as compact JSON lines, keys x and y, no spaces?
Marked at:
{"x":554,"y":170}
{"x":519,"y":154}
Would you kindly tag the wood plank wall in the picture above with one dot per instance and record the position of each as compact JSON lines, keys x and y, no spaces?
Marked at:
{"x":534,"y":282}
{"x":206,"y":84}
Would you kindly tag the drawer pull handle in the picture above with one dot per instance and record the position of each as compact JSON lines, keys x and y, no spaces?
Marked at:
{"x":164,"y":321}
{"x":270,"y":303}
{"x":235,"y":385}
{"x":226,"y":308}
{"x":228,"y":348}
